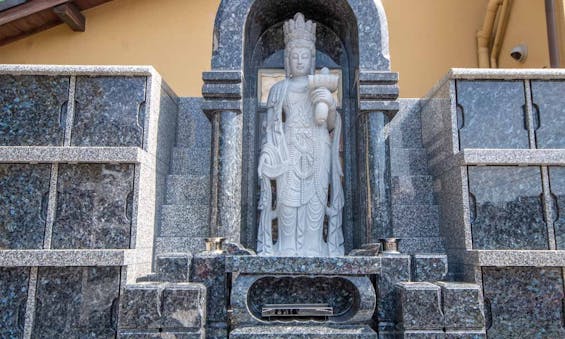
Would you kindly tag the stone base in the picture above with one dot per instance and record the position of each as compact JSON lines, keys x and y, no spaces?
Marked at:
{"x":260,"y":332}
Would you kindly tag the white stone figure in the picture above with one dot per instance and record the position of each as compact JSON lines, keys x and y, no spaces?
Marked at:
{"x":301,"y":155}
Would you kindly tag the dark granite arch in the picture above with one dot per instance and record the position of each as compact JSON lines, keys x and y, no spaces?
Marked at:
{"x":353,"y":36}
{"x":234,"y":15}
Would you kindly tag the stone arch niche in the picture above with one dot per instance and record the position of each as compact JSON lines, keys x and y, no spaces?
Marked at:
{"x":352,"y":36}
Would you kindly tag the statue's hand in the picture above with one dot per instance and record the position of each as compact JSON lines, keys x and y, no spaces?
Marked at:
{"x":322,"y":94}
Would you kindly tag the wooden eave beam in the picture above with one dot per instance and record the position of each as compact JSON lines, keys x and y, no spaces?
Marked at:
{"x":27,"y":9}
{"x":71,"y":15}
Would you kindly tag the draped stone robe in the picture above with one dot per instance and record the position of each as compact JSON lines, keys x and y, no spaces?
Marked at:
{"x":303,"y":160}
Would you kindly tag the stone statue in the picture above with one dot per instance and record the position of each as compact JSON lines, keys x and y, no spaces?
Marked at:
{"x":300,"y":154}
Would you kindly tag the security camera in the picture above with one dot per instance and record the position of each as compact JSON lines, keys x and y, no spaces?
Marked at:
{"x":519,"y":53}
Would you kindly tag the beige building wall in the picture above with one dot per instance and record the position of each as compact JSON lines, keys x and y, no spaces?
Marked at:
{"x":526,"y":25}
{"x":174,"y":36}
{"x":427,"y":37}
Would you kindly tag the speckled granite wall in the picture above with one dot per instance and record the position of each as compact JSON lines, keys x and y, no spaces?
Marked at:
{"x":13,"y":296}
{"x":547,"y":97}
{"x":76,"y":302}
{"x":490,"y":114}
{"x":506,"y":208}
{"x":23,"y":205}
{"x":94,"y":204}
{"x":557,"y":186}
{"x":524,"y":302}
{"x":33,"y":110}
{"x":109,"y":111}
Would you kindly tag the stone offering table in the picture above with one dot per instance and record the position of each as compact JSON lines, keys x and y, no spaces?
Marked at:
{"x":348,"y":284}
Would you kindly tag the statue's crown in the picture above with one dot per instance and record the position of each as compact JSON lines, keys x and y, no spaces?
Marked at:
{"x":299,"y":29}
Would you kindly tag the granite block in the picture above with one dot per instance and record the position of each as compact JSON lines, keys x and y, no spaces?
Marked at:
{"x":352,"y":299}
{"x":76,"y":302}
{"x":13,"y":297}
{"x":436,"y":113}
{"x":405,"y":127}
{"x":312,"y":265}
{"x":94,"y":206}
{"x":194,"y":160}
{"x":140,"y":306}
{"x":506,"y":208}
{"x":417,"y":245}
{"x":165,"y":245}
{"x":210,"y":270}
{"x":183,"y":306}
{"x":23,"y":205}
{"x":491,"y":114}
{"x":465,"y":335}
{"x":419,"y":306}
{"x":127,"y":334}
{"x":429,"y":267}
{"x":183,"y":221}
{"x":395,"y":268}
{"x":557,"y":188}
{"x":174,"y":267}
{"x":423,"y":335}
{"x":311,"y":332}
{"x":408,"y":161}
{"x":194,"y":128}
{"x":549,"y":113}
{"x":33,"y":110}
{"x":415,"y":220}
{"x":412,"y":190}
{"x":110,"y":111}
{"x":462,"y":308}
{"x":186,"y":189}
{"x":536,"y":292}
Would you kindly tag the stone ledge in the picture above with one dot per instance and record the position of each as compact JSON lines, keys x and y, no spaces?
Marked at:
{"x":306,"y":265}
{"x":14,"y":258}
{"x":342,"y":332}
{"x":504,"y":74}
{"x":61,"y":154}
{"x":24,"y":69}
{"x":515,"y":258}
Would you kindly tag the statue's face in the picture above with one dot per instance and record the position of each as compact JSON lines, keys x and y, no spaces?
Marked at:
{"x":300,"y":61}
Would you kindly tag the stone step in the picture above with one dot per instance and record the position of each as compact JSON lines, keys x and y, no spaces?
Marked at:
{"x":181,"y":244}
{"x":412,"y":190}
{"x":169,"y":307}
{"x":193,"y":127}
{"x":191,"y":160}
{"x":422,"y":245}
{"x":415,"y":221}
{"x":297,"y":331}
{"x":408,"y":161}
{"x":186,"y":221}
{"x":187,"y":190}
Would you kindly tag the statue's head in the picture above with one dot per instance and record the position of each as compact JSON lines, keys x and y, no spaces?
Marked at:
{"x":300,"y":46}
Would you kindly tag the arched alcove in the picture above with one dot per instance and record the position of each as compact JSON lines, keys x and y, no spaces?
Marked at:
{"x":337,"y":49}
{"x":352,"y":37}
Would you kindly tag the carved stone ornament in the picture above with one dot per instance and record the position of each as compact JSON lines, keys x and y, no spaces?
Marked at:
{"x":301,"y":156}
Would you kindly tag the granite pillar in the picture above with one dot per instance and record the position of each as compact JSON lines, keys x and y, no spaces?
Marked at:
{"x":377,"y":106}
{"x":222,"y":105}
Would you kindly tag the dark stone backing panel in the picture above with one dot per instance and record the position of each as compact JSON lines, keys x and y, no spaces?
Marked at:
{"x":93,"y":206}
{"x":13,"y":297}
{"x":557,"y":187}
{"x":547,"y":97}
{"x":523,"y":302}
{"x":32,"y":111}
{"x":492,"y":114}
{"x":109,"y":111}
{"x":76,"y":302}
{"x":24,"y":190}
{"x":506,"y":208}
{"x":338,"y":293}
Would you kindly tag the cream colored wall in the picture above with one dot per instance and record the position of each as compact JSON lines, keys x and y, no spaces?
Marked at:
{"x":427,"y":37}
{"x":175,"y":36}
{"x":526,"y":25}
